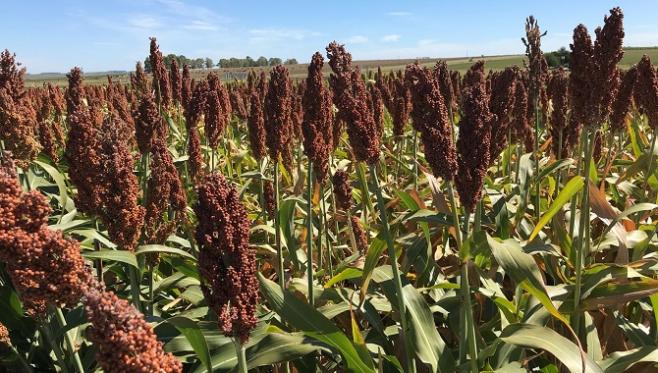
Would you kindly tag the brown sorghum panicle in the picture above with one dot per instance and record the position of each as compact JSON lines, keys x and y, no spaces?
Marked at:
{"x":503,"y":86}
{"x":120,"y":212}
{"x":18,"y":119}
{"x":138,"y":80}
{"x":430,"y":118}
{"x":269,"y":199}
{"x":401,"y":106}
{"x":149,"y":125}
{"x":195,"y":160}
{"x":360,"y":235}
{"x":165,"y":195}
{"x":118,"y":106}
{"x":382,"y":85}
{"x":256,"y":125}
{"x":237,"y":102}
{"x":227,"y":264}
{"x":176,"y":82}
{"x":646,"y":90}
{"x":318,"y":119}
{"x":278,"y":112}
{"x":186,"y":86}
{"x":125,"y":342}
{"x":558,"y":92}
{"x":537,"y":65}
{"x":82,"y":148}
{"x":45,"y":267}
{"x":351,"y":98}
{"x":377,"y":107}
{"x":624,"y":99}
{"x":474,"y":138}
{"x":5,"y":341}
{"x":607,"y":54}
{"x":45,"y":124}
{"x":297,"y":114}
{"x":444,"y":80}
{"x":522,"y":131}
{"x":213,"y":119}
{"x":196,"y":106}
{"x":161,"y":84}
{"x":342,"y":189}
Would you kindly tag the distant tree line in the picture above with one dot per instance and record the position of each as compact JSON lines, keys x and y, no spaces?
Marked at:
{"x":208,"y":63}
{"x":559,"y":58}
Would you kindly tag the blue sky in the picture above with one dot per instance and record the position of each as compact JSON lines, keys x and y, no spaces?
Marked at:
{"x":113,"y":34}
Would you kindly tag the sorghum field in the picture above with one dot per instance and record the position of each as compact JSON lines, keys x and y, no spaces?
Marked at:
{"x":415,"y":221}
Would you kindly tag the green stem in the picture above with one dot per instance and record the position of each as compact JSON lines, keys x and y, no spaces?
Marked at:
{"x":69,"y":342}
{"x":537,"y":158}
{"x":277,"y":228}
{"x":581,"y":244}
{"x":242,"y":356}
{"x":397,"y":279}
{"x":415,"y":150}
{"x":470,"y":323}
{"x":134,"y":287}
{"x":650,"y":164}
{"x":57,"y":349}
{"x":309,"y":234}
{"x":324,"y":228}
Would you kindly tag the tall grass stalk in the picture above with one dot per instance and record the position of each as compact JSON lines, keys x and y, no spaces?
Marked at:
{"x":61,"y":321}
{"x":397,"y":279}
{"x":583,"y":238}
{"x":537,"y":156}
{"x":309,"y":234}
{"x":277,"y":227}
{"x":242,"y":356}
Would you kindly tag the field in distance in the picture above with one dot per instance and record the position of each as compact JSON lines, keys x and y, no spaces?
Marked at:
{"x":631,"y":56}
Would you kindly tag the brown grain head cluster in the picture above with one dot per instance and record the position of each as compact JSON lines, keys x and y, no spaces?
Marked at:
{"x":351,"y":98}
{"x":119,"y":210}
{"x":5,"y":341}
{"x":360,"y":235}
{"x":161,"y":84}
{"x":381,"y":83}
{"x":537,"y":65}
{"x":522,"y":130}
{"x":318,"y":119}
{"x":46,"y":268}
{"x":342,"y":189}
{"x":119,"y":107}
{"x":278,"y":115}
{"x":444,"y":80}
{"x":593,"y":80}
{"x":297,"y":115}
{"x":624,"y":100}
{"x":237,"y":102}
{"x":165,"y":197}
{"x":503,"y":95}
{"x":256,"y":125}
{"x":474,"y":137}
{"x":149,"y":124}
{"x":269,"y":199}
{"x":138,"y":80}
{"x":186,"y":86}
{"x":377,"y":106}
{"x":82,"y":145}
{"x":194,"y":110}
{"x":125,"y":342}
{"x":558,"y":92}
{"x":430,"y":118}
{"x":401,"y":104}
{"x":47,"y":124}
{"x":18,"y":119}
{"x":225,"y":257}
{"x":176,"y":81}
{"x":646,"y":90}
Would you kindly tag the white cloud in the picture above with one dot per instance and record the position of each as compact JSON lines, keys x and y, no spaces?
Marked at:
{"x":399,"y":14}
{"x":200,"y":25}
{"x":357,"y":39}
{"x":144,"y":22}
{"x":390,"y":38}
{"x":271,"y":34}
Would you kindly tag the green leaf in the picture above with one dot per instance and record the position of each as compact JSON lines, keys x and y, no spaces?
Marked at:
{"x":541,"y":338}
{"x":58,"y":177}
{"x":573,"y":186}
{"x":621,"y":361}
{"x":190,"y":329}
{"x":346,"y":274}
{"x":278,"y":347}
{"x":143,"y":249}
{"x":123,"y":256}
{"x":302,"y":316}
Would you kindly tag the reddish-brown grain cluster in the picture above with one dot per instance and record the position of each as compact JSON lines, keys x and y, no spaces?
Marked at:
{"x":161,"y":84}
{"x":226,"y":258}
{"x":278,"y":115}
{"x":522,"y":130}
{"x":149,"y":124}
{"x":558,"y":92}
{"x":474,"y":137}
{"x":318,"y":119}
{"x":46,"y":268}
{"x":503,"y":95}
{"x":351,"y":98}
{"x":444,"y":81}
{"x":537,"y":65}
{"x":176,"y":82}
{"x":18,"y":119}
{"x":430,"y":118}
{"x":646,"y":90}
{"x":624,"y":100}
{"x":165,"y":196}
{"x":125,"y":342}
{"x":5,"y":341}
{"x":342,"y":189}
{"x":401,"y":104}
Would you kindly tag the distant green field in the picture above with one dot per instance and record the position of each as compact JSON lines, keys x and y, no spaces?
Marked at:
{"x":631,"y":56}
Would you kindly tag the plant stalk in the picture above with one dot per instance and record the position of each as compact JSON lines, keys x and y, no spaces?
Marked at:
{"x":240,"y":351}
{"x":309,"y":235}
{"x":277,"y":228}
